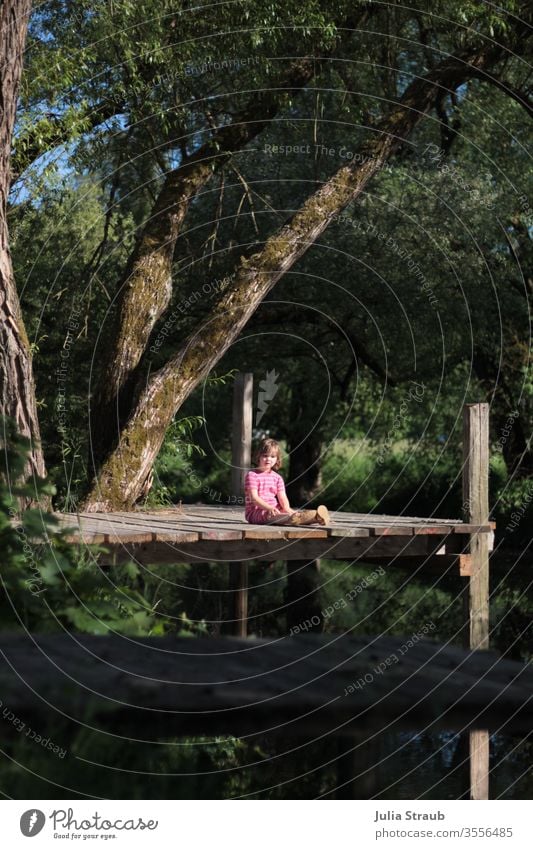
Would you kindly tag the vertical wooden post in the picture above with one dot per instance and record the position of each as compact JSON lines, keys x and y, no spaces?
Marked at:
{"x":238,"y":584}
{"x":476,"y":512}
{"x":241,"y":438}
{"x":303,"y":596}
{"x":357,"y":766}
{"x":241,"y":453}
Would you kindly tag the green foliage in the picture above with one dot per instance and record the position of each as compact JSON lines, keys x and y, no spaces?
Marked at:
{"x":174,"y":474}
{"x":48,"y":582}
{"x":185,"y":768}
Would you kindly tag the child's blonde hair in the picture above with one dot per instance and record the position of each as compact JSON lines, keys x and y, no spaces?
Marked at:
{"x":269,"y":446}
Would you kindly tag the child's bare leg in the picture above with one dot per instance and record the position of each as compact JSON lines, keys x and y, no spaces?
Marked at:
{"x":279,"y":519}
{"x":319,"y":516}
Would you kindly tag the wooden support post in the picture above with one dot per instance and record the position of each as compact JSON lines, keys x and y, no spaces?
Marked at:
{"x":241,"y":457}
{"x":357,"y":766}
{"x":241,"y":439}
{"x":476,"y":512}
{"x":238,"y":584}
{"x":304,"y":611}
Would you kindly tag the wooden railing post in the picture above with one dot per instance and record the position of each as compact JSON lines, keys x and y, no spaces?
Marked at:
{"x":241,"y":438}
{"x":241,"y":453}
{"x":476,"y":512}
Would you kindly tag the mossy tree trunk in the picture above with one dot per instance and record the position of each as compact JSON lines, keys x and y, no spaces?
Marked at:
{"x":122,"y":475}
{"x":146,"y":287}
{"x":17,"y":388}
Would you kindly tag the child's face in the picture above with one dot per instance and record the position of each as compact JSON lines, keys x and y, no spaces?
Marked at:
{"x":266,"y":461}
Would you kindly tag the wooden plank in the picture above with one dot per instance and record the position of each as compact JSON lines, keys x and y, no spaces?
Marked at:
{"x":346,"y":520}
{"x":162,"y":531}
{"x":299,"y":685}
{"x":196,"y":511}
{"x":361,"y":518}
{"x":113,"y":518}
{"x":107,"y":532}
{"x":181,"y":523}
{"x":263,"y":532}
{"x":85,"y":538}
{"x":410,"y":520}
{"x":172,"y":537}
{"x":430,"y":564}
{"x":342,"y":531}
{"x":129,"y":537}
{"x":374,"y":518}
{"x":391,"y":530}
{"x":147,"y":521}
{"x":219,"y":534}
{"x":305,"y":533}
{"x":225,"y":551}
{"x":234,"y":531}
{"x":122,"y":530}
{"x":107,"y":524}
{"x":121,"y":535}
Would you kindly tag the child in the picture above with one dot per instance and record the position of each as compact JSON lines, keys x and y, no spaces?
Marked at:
{"x":265,"y":497}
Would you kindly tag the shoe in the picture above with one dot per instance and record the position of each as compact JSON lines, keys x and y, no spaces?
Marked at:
{"x":322,"y":515}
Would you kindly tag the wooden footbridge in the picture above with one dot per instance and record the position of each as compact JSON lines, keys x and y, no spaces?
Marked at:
{"x":212,"y":534}
{"x":303,"y":683}
{"x":194,"y":533}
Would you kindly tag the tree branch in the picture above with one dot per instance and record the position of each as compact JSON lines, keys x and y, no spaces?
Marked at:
{"x":521,"y":97}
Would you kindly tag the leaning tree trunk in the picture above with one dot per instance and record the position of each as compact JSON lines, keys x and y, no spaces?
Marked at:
{"x":124,"y":472}
{"x":17,"y":389}
{"x":146,"y":288}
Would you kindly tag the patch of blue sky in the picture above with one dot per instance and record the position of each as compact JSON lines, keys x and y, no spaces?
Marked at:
{"x":59,"y":162}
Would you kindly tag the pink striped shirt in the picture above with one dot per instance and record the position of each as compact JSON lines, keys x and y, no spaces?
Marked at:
{"x":268,"y":484}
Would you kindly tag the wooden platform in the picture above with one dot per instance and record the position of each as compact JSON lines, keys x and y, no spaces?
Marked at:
{"x":156,"y":688}
{"x":196,"y":533}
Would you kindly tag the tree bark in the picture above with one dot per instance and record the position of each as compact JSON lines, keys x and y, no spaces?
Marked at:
{"x":123,"y":473}
{"x":146,"y":287}
{"x":17,"y":388}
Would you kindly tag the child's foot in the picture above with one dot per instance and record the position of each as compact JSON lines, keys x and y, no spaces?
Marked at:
{"x":322,"y":515}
